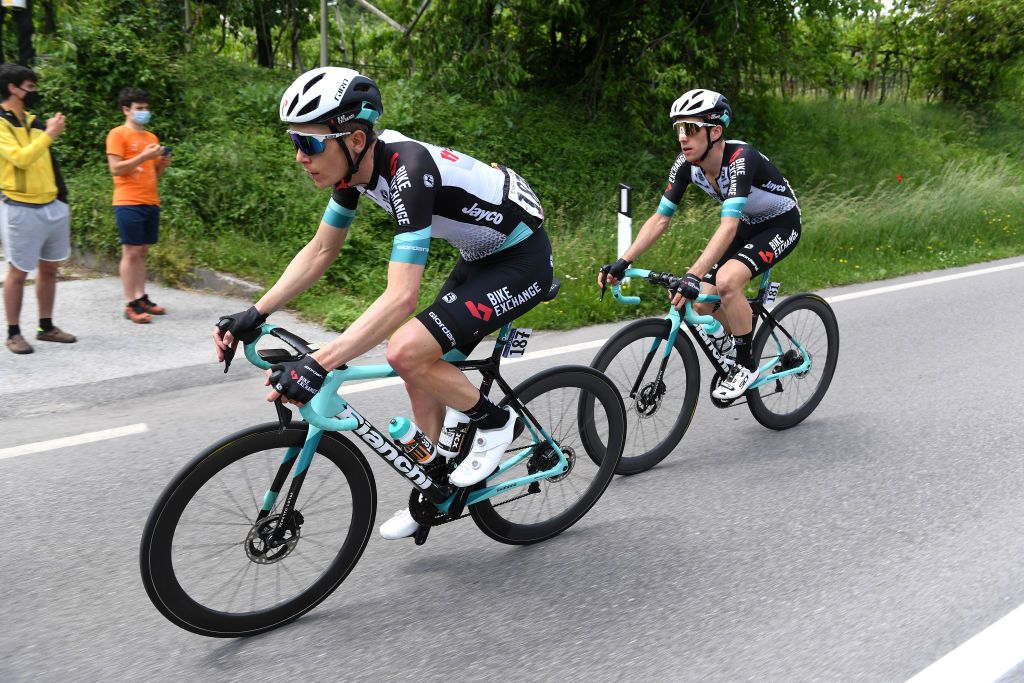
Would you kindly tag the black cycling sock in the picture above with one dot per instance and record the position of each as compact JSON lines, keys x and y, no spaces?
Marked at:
{"x":45,"y":324}
{"x":743,"y":350}
{"x":13,"y":330}
{"x":487,"y":415}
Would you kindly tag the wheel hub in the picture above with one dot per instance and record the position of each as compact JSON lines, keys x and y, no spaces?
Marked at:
{"x":546,"y":458}
{"x":264,"y":545}
{"x":648,"y":399}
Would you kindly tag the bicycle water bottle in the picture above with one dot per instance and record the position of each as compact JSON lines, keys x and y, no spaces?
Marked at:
{"x":452,"y":433}
{"x":411,"y":440}
{"x":722,"y":340}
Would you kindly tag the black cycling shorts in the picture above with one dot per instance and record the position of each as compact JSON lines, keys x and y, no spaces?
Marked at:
{"x":760,"y":250}
{"x":482,"y":295}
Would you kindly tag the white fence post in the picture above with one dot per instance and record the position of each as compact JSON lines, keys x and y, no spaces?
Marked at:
{"x":625,"y":225}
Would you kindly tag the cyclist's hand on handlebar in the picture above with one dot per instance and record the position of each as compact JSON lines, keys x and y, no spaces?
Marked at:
{"x":237,"y":326}
{"x":295,"y":381}
{"x":686,"y":287}
{"x":611,"y":274}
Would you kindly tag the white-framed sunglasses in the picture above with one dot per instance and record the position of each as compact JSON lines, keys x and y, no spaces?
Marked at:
{"x":690,"y":128}
{"x":313,"y":143}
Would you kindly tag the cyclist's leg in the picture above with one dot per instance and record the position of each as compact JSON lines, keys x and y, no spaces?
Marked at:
{"x":478,"y":298}
{"x":761,"y":250}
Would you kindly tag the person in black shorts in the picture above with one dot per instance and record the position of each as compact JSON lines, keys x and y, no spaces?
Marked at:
{"x":488,"y":212}
{"x":760,"y":223}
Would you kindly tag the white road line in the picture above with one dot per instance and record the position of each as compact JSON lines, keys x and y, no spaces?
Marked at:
{"x":985,"y":657}
{"x":922,"y":283}
{"x":90,"y":437}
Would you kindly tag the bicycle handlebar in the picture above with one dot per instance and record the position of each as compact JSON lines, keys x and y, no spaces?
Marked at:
{"x":326,"y":401}
{"x":667,"y":280}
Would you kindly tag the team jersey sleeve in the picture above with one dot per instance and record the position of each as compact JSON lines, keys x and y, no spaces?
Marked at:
{"x":743,"y":163}
{"x":678,"y":179}
{"x":412,"y":202}
{"x":341,"y":210}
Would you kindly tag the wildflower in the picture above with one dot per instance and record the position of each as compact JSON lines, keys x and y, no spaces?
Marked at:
{"x":899,"y":177}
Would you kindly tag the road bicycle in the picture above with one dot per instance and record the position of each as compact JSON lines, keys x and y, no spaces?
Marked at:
{"x":796,"y":344}
{"x":225,"y":554}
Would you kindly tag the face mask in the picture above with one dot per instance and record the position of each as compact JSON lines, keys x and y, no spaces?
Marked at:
{"x":32,"y":99}
{"x":142,"y":117}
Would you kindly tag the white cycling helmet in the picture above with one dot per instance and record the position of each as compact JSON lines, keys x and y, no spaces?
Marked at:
{"x":706,"y":104}
{"x":331,"y":95}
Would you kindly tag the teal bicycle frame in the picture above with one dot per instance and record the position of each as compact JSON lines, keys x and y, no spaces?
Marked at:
{"x":702,"y":326}
{"x":328,"y":411}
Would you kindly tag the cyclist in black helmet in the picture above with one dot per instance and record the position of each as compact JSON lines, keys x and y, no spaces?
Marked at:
{"x":488,"y":212}
{"x":760,"y":223}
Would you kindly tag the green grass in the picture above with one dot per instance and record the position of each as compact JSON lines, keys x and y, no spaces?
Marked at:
{"x":236,"y":201}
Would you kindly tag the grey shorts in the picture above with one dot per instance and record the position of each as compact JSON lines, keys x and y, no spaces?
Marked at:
{"x":35,"y":233}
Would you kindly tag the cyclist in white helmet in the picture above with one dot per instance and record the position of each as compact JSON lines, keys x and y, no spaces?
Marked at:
{"x":488,"y":212}
{"x":759,"y":226}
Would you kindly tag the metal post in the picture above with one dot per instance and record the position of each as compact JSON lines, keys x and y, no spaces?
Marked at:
{"x":625,"y":226}
{"x":323,"y":32}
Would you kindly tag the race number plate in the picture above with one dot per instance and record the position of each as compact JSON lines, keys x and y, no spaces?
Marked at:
{"x":515,"y":347}
{"x":769,"y":297}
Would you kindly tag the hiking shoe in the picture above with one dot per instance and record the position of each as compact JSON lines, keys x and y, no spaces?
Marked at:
{"x":55,"y":334}
{"x":488,"y":447}
{"x":150,"y":307}
{"x":136,"y":314}
{"x":17,"y":344}
{"x":736,"y":384}
{"x":401,"y":525}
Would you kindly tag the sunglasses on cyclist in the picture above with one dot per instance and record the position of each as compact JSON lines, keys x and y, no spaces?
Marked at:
{"x":312,"y":144}
{"x":690,"y":128}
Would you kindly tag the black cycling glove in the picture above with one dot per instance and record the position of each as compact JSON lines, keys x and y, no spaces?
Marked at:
{"x":618,"y":269}
{"x":243,"y":326}
{"x":688,"y":286}
{"x":300,"y":380}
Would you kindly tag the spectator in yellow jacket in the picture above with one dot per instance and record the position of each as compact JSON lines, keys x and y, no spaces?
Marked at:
{"x":35,"y":223}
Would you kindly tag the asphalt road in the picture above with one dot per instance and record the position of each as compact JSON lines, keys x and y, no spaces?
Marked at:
{"x":865,"y":544}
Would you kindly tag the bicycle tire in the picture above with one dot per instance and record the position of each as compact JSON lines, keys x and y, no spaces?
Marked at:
{"x":602,"y":441}
{"x":761,"y":403}
{"x":162,"y":573}
{"x":621,"y":359}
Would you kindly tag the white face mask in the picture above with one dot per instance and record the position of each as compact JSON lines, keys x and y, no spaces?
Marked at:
{"x":142,"y":117}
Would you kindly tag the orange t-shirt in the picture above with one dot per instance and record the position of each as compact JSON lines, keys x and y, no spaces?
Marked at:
{"x":139,"y":186}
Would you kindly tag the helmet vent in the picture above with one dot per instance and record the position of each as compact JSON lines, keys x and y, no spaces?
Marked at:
{"x":291,"y":107}
{"x":310,"y":106}
{"x":311,"y":82}
{"x":362,"y":87}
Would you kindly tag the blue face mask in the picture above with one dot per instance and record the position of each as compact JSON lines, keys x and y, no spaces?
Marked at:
{"x":142,"y":117}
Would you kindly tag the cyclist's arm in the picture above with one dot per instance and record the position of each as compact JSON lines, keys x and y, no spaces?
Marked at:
{"x":648,"y":235}
{"x":380,"y":320}
{"x":305,"y":268}
{"x":716,"y":246}
{"x":742,"y":167}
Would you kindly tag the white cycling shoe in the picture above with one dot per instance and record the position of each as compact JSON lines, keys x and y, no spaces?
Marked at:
{"x":736,"y":384}
{"x":399,"y":526}
{"x":488,"y":447}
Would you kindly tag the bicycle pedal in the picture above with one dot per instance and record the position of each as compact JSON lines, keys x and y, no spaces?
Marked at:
{"x":421,"y":534}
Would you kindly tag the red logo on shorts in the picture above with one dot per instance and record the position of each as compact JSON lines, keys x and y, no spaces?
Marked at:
{"x":767,"y":256}
{"x":480,"y":311}
{"x":669,"y":187}
{"x":295,"y":375}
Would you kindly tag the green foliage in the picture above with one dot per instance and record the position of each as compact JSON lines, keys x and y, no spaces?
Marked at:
{"x":968,"y":44}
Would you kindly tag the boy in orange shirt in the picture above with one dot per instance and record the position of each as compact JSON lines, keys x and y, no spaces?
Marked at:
{"x":136,"y":161}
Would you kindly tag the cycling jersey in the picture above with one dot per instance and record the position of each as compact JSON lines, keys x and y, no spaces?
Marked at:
{"x":435,"y":192}
{"x":752,"y":188}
